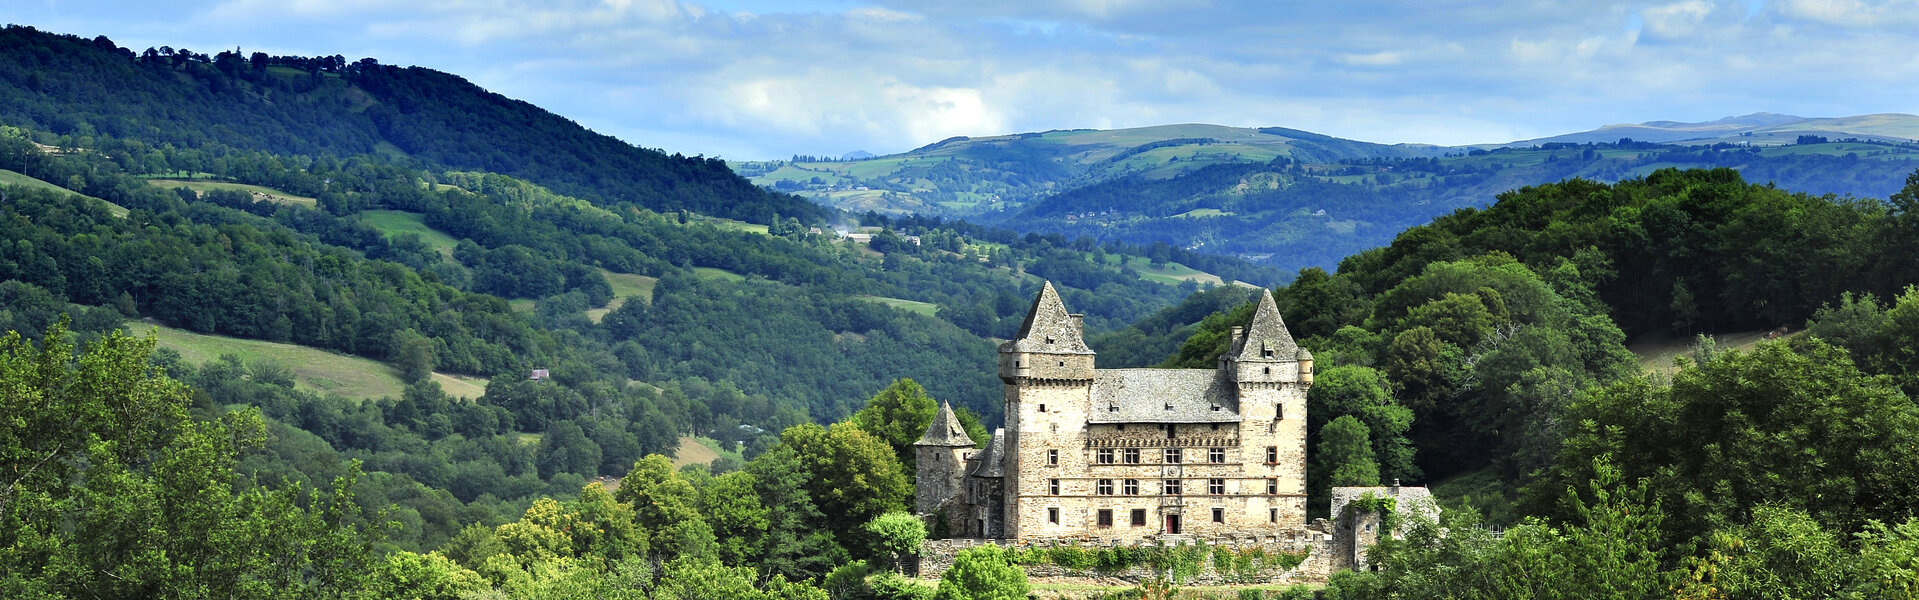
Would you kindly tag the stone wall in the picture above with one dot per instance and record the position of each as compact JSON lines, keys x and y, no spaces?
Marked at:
{"x":936,"y":556}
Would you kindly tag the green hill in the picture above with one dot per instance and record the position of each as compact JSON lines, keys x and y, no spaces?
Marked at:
{"x":212,"y":106}
{"x":965,"y":176}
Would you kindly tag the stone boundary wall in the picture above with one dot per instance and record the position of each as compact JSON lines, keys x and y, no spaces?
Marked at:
{"x":936,"y":556}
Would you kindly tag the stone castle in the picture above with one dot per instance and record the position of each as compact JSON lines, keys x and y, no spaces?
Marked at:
{"x":1128,"y":455}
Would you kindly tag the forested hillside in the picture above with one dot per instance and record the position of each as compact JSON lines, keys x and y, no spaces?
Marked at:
{"x":1295,"y":214}
{"x":1480,"y":353}
{"x":205,"y":108}
{"x":649,"y":327}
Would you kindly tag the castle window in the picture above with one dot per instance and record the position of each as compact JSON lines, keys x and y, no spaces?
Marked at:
{"x":1062,"y":363}
{"x":1216,"y":486}
{"x":1130,"y":487}
{"x":1269,"y":370}
{"x":1052,"y":485}
{"x":1219,"y":515}
{"x":1279,"y":410}
{"x":1052,"y":457}
{"x":1172,"y":455}
{"x":1266,"y":352}
{"x":1042,"y":408}
{"x":1114,"y":407}
{"x":1132,"y":456}
{"x":1049,"y":340}
{"x":1215,"y":455}
{"x":1272,"y":455}
{"x":1172,"y":487}
{"x":1104,"y":456}
{"x":1105,"y":517}
{"x":1052,"y":515}
{"x":1272,"y":514}
{"x":1169,"y":431}
{"x":1139,"y":517}
{"x":1105,"y":487}
{"x":1272,"y":486}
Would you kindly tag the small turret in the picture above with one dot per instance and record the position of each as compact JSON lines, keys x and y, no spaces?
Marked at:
{"x":1264,"y":352}
{"x":1050,"y":344}
{"x":940,"y":461}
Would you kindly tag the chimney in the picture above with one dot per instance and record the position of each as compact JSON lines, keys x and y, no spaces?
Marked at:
{"x":1079,"y":323}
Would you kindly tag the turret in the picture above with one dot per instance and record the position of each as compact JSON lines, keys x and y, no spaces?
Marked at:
{"x":940,"y":461}
{"x":1264,"y":352}
{"x":1050,"y":344}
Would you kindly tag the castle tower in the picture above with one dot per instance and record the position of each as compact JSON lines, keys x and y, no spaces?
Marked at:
{"x":1272,"y":374}
{"x":1048,"y":372}
{"x":941,"y":460}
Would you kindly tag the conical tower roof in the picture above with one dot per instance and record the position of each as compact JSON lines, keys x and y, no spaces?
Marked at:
{"x":1266,"y":338}
{"x":1048,"y":327}
{"x":945,"y":430}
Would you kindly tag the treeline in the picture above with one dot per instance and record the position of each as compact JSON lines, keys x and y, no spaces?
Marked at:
{"x":92,"y":89}
{"x":169,"y":501}
{"x":1480,"y":351}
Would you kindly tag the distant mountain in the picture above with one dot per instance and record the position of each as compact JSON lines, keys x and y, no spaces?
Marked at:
{"x":1292,"y":214}
{"x":969,"y":176}
{"x":1756,"y":128}
{"x":857,"y":155}
{"x":325,"y":106}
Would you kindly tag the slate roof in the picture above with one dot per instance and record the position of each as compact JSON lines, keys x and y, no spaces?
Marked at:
{"x":1048,"y":327}
{"x":1144,"y":395}
{"x":945,"y":431}
{"x":992,"y":461}
{"x":1266,"y":333}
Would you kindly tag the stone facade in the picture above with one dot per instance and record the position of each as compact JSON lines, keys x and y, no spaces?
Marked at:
{"x":1129,"y":455}
{"x":1355,"y":533}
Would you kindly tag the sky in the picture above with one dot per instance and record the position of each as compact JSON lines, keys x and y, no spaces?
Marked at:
{"x":760,"y":79}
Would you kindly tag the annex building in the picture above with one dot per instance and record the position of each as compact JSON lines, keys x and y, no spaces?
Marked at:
{"x":1128,"y":454}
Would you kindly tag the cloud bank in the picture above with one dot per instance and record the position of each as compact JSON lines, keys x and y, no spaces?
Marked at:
{"x":760,"y":79}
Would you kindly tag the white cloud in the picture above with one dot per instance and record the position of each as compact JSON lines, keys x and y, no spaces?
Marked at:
{"x":1853,"y":13}
{"x":826,"y":76}
{"x":1677,"y":19}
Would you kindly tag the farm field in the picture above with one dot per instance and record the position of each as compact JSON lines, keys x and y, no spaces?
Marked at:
{"x":21,"y":179}
{"x":394,"y":222}
{"x":924,"y":308}
{"x":313,"y":369}
{"x":259,"y":192}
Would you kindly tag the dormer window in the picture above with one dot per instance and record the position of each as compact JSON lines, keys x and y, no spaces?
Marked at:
{"x":1049,"y":340}
{"x":1268,"y":353}
{"x":1169,"y":406}
{"x":1114,"y":407}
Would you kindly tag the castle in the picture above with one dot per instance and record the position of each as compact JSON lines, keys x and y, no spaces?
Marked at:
{"x":1128,"y":454}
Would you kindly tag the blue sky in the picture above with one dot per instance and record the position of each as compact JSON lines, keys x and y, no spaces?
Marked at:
{"x":754,"y":79}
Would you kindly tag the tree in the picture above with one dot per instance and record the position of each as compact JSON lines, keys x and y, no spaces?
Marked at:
{"x":668,"y":508}
{"x":1800,"y":429}
{"x":108,"y":488}
{"x":1346,"y":454}
{"x":983,"y":573}
{"x":895,"y":535}
{"x":731,"y":505}
{"x":413,"y":356}
{"x":565,"y":449}
{"x":899,"y":415}
{"x":855,"y":476}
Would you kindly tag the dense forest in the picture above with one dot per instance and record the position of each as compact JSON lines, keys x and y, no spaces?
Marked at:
{"x":1481,"y":352}
{"x":176,"y":100}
